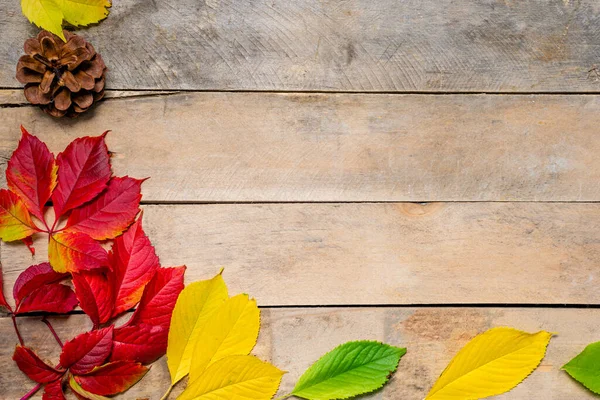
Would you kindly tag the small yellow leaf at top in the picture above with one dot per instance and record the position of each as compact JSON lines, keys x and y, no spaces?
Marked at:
{"x":492,"y":363}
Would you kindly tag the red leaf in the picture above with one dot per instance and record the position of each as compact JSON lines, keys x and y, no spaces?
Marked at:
{"x":29,"y":243}
{"x":54,"y":391}
{"x":74,"y":252}
{"x":159,"y":298}
{"x":31,"y":173}
{"x":15,"y":220}
{"x":83,"y":171}
{"x":54,"y":298}
{"x":87,"y":350}
{"x":3,"y":302}
{"x":34,"y":277}
{"x":34,"y":367}
{"x":141,"y":342}
{"x":111,"y":213}
{"x":112,"y":378}
{"x":94,"y":294}
{"x":133,"y":262}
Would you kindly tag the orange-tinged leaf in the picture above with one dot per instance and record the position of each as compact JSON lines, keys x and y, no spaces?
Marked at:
{"x":31,"y":173}
{"x":107,"y":216}
{"x":73,"y":252}
{"x":15,"y":220}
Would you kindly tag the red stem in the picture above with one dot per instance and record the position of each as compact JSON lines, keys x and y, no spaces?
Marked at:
{"x":49,"y":325}
{"x":14,"y":320}
{"x":32,"y":391}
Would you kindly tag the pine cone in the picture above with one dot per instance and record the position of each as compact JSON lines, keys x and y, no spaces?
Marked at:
{"x":63,"y":78}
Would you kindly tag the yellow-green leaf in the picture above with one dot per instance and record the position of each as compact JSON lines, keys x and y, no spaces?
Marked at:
{"x":195,"y":305}
{"x":231,"y":330}
{"x":235,"y":377}
{"x":84,"y":12}
{"x":49,"y":14}
{"x":44,"y":13}
{"x":492,"y":363}
{"x":15,"y":220}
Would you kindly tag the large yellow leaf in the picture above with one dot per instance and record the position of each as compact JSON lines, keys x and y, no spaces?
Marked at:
{"x":492,"y":363}
{"x":232,"y":330}
{"x":235,"y":377}
{"x":195,"y":305}
{"x":49,"y":14}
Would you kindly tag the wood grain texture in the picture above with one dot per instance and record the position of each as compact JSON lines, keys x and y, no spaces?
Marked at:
{"x":215,"y":147}
{"x":397,"y":253}
{"x":294,"y":338}
{"x":350,"y":45}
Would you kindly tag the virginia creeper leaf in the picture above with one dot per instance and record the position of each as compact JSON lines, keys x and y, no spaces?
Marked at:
{"x":87,"y":350}
{"x":83,"y":172}
{"x":585,"y":367}
{"x":15,"y":220}
{"x":231,"y":330}
{"x":94,"y":294}
{"x":29,"y":243}
{"x":32,"y":173}
{"x":195,"y":305}
{"x":112,"y":378}
{"x":159,"y":298}
{"x":54,"y":391}
{"x":53,"y":298}
{"x":32,"y":278}
{"x":3,"y":302}
{"x":74,"y":252}
{"x":133,"y":262}
{"x":109,"y":214}
{"x":81,"y":393}
{"x":349,"y":370}
{"x":140,"y":342}
{"x":235,"y":377}
{"x":44,"y":13}
{"x":32,"y":366}
{"x":492,"y":363}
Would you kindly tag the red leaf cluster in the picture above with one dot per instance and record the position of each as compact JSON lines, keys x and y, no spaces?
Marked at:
{"x":90,"y":206}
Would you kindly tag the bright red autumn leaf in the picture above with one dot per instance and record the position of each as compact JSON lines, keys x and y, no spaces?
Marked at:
{"x":74,"y":252}
{"x":87,"y":350}
{"x":159,"y":298}
{"x":140,"y":342}
{"x":15,"y":220}
{"x":95,"y":295}
{"x":29,"y":243}
{"x":34,"y":277}
{"x":32,"y":366}
{"x":54,"y":391}
{"x":54,"y":298}
{"x":83,"y":172}
{"x":111,"y":213}
{"x":31,"y":173}
{"x":112,"y":378}
{"x":133,"y":262}
{"x":3,"y":302}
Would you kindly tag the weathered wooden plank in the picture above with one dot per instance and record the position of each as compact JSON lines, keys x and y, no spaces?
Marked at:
{"x":393,"y":253}
{"x":293,"y":338}
{"x":341,"y":147}
{"x":352,"y":45}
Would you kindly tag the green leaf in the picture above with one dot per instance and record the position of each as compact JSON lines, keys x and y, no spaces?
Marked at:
{"x":585,"y":367}
{"x":349,"y":370}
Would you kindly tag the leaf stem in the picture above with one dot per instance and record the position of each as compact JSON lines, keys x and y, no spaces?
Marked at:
{"x":14,"y":320}
{"x":166,"y":395}
{"x":49,"y":325}
{"x":32,"y":391}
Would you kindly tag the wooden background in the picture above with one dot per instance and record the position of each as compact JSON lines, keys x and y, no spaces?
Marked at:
{"x":409,"y":171}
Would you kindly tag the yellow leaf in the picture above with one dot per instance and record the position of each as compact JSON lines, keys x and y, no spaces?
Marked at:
{"x":235,"y":377}
{"x":232,"y":330}
{"x":84,"y":12}
{"x":44,"y":13}
{"x":195,"y":305}
{"x":49,"y":14}
{"x":492,"y":363}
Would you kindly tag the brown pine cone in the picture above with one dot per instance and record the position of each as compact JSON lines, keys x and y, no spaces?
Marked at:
{"x":63,"y":78}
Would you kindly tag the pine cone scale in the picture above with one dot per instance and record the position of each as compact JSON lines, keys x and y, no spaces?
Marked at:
{"x":64,"y":78}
